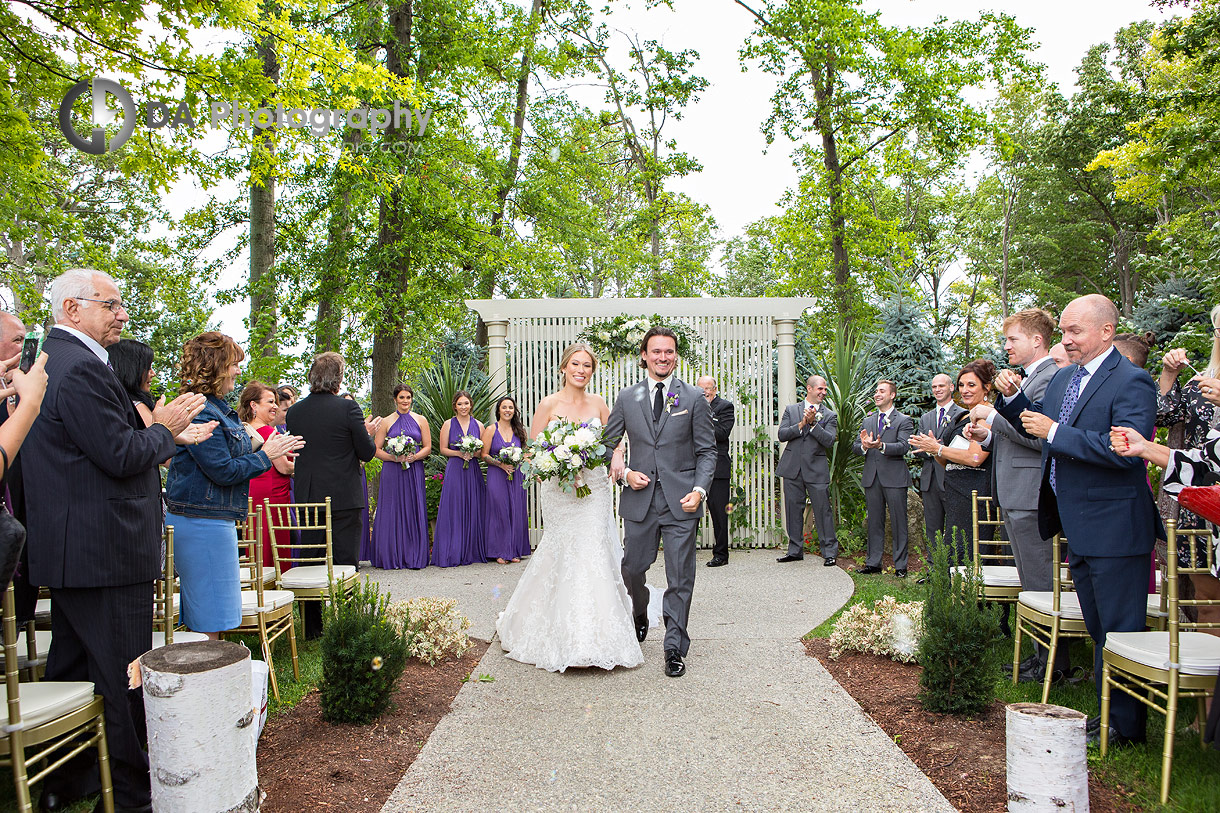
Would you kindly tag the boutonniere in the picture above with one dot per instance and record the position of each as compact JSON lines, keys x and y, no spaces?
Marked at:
{"x":671,"y":402}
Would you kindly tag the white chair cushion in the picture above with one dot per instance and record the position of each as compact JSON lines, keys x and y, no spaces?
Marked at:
{"x":42,"y":610}
{"x":180,"y":637}
{"x":175,"y":602}
{"x":314,"y":576}
{"x":43,"y":702}
{"x":1198,"y":652}
{"x":272,"y":600}
{"x":1069,"y":603}
{"x":995,"y":575}
{"x":42,"y":643}
{"x":1154,"y":607}
{"x":268,"y":575}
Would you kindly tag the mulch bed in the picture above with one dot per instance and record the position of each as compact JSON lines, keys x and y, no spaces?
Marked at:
{"x":305,"y":763}
{"x":964,"y":758}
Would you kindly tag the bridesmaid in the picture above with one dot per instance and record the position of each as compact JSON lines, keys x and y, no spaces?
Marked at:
{"x":508,"y":536}
{"x":459,"y":519}
{"x":400,"y":526}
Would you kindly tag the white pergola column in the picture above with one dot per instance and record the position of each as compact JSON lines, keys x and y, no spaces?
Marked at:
{"x":497,"y":354}
{"x":785,"y":343}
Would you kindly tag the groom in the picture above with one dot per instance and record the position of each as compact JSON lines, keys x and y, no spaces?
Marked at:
{"x":673,"y":458}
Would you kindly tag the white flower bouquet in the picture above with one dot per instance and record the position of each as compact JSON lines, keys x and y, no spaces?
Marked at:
{"x":511,"y":456}
{"x":468,"y":444}
{"x":563,"y":451}
{"x":401,"y":446}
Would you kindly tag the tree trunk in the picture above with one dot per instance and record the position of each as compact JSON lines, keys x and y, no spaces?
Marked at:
{"x":264,"y":302}
{"x":1047,"y":766}
{"x":1009,"y":201}
{"x":331,"y":278}
{"x":202,"y":727}
{"x":823,"y":87}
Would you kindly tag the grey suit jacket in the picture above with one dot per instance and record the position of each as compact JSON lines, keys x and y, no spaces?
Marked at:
{"x":933,"y":474}
{"x":804,"y":457}
{"x":679,"y":450}
{"x":1017,"y":459}
{"x":887,"y":466}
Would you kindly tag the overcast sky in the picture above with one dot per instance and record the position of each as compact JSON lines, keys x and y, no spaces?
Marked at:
{"x":742,"y":180}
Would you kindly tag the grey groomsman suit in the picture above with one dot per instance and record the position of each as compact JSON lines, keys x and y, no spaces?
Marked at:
{"x":932,"y":477}
{"x":885,"y":480}
{"x":806,"y":470}
{"x":678,"y":453}
{"x":1017,"y":470}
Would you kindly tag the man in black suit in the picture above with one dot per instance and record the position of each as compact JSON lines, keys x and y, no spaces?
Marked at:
{"x":718,"y":498}
{"x":338,"y":441}
{"x":93,"y":512}
{"x":939,"y":421}
{"x":810,"y":429}
{"x":883,"y":442}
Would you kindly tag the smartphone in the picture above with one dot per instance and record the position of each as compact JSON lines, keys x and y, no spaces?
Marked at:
{"x":29,"y":351}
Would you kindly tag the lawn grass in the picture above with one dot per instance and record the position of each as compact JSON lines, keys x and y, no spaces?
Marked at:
{"x":1135,"y":770}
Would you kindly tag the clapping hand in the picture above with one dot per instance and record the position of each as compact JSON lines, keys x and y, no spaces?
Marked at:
{"x":178,"y":413}
{"x":371,"y":424}
{"x":195,"y":434}
{"x":926,"y":443}
{"x":1008,"y":382}
{"x":280,"y":445}
{"x":809,"y":418}
{"x":868,"y":440}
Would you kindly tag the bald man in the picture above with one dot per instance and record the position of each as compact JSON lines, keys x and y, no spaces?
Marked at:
{"x":939,"y":421}
{"x":1100,"y":502}
{"x":810,"y":429}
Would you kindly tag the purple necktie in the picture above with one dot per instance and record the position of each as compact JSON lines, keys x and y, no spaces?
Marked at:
{"x":1069,"y":403}
{"x":880,"y":423}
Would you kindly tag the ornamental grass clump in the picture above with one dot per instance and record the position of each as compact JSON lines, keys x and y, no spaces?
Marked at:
{"x":960,"y":662}
{"x":889,"y":627}
{"x":434,"y":628}
{"x":363,"y":655}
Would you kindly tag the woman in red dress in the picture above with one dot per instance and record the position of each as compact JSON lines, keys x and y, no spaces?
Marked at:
{"x":258,"y":409}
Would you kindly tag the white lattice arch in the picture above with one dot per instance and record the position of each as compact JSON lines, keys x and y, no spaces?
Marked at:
{"x":742,"y":337}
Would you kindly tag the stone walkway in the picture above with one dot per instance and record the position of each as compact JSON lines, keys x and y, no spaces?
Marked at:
{"x":755,"y":724}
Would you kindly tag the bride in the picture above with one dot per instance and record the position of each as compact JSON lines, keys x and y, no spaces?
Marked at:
{"x":570,"y":607}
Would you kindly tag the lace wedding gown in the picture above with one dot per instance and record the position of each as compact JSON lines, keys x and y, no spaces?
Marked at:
{"x":571,"y":607}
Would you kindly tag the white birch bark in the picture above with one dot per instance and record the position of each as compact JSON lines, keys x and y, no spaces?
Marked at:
{"x":1047,"y":768}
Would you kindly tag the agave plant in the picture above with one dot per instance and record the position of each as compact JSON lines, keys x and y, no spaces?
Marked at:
{"x":847,"y":391}
{"x":436,"y":388}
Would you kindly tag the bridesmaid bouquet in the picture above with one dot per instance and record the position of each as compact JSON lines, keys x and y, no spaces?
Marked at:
{"x":469,"y":444}
{"x":511,"y":456}
{"x":401,"y":446}
{"x":563,"y":451}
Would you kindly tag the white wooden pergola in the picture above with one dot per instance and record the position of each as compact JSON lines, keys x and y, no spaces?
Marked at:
{"x":742,"y":338}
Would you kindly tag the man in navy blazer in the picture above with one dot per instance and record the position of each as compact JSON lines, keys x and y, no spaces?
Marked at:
{"x":93,"y":516}
{"x":1100,"y":501}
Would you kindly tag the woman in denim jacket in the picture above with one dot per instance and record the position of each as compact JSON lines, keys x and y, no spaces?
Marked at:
{"x":208,"y":487}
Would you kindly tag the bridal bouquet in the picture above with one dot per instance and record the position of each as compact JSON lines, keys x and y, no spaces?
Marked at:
{"x":563,"y":451}
{"x":401,"y":446}
{"x":469,"y":444}
{"x":511,"y":456}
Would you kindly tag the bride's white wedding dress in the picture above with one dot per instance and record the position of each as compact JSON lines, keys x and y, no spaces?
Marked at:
{"x":571,"y":607}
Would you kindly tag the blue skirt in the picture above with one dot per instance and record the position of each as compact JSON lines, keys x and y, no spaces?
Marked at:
{"x":205,"y":556}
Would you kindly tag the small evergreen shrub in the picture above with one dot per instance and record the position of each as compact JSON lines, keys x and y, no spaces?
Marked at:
{"x":960,"y":665}
{"x":889,"y":627}
{"x":433,"y":627}
{"x":363,"y":655}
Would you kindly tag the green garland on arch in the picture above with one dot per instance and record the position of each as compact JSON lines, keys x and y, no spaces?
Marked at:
{"x":620,"y":337}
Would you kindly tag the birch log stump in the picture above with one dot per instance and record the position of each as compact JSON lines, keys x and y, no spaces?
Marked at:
{"x":1047,"y":769}
{"x":201,"y":726}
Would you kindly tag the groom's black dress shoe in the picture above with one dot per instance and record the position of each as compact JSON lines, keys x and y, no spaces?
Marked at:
{"x":717,"y":562}
{"x":788,"y":557}
{"x":641,"y":628}
{"x":674,"y":667}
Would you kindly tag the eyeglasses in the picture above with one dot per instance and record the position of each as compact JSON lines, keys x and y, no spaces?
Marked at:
{"x":112,"y":305}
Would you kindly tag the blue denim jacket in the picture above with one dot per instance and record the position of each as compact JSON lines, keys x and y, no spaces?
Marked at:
{"x":212,"y":479}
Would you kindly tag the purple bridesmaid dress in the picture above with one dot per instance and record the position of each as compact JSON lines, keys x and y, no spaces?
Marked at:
{"x":400,"y":526}
{"x":459,"y":536}
{"x":508,"y":536}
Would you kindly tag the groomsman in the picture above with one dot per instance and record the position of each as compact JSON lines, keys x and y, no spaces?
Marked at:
{"x":883,"y":442}
{"x":932,"y":478}
{"x":809,"y":428}
{"x":718,"y":498}
{"x":1017,"y":469}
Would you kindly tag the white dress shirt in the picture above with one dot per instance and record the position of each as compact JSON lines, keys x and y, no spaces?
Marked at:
{"x":89,"y":342}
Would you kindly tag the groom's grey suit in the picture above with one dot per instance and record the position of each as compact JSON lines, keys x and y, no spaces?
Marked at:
{"x":677,"y":452}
